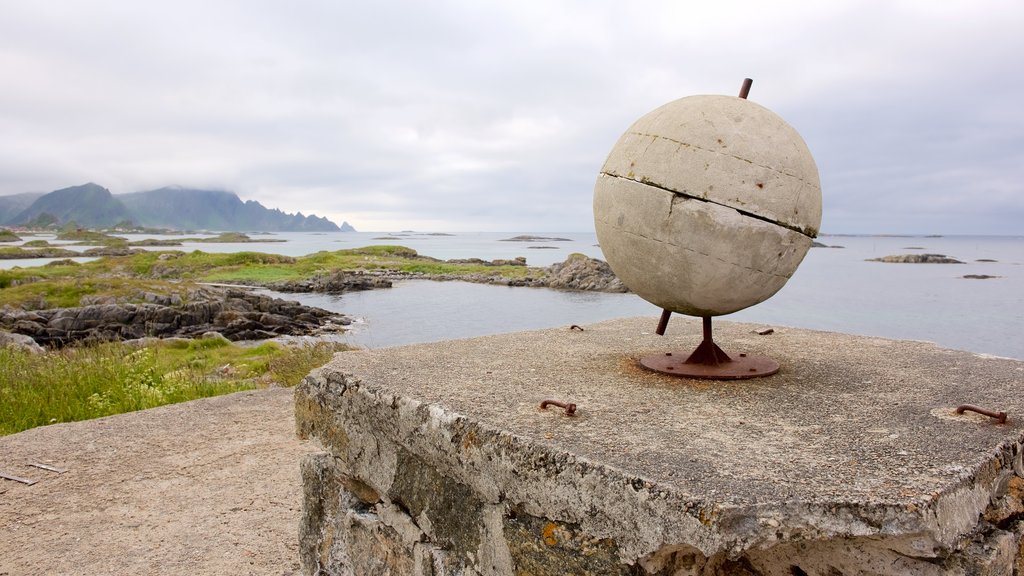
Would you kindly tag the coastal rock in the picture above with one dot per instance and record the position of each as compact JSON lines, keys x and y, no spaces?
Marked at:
{"x":234,"y":314}
{"x":518,"y":261}
{"x":528,"y":238}
{"x":577,"y":272}
{"x":19,"y":341}
{"x":336,"y":282}
{"x":580,"y":272}
{"x":917,"y":259}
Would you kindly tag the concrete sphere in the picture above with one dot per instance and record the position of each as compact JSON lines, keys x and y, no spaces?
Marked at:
{"x":707,"y":205}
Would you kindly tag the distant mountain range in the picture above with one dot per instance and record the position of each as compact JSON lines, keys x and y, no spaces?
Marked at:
{"x":93,"y":206}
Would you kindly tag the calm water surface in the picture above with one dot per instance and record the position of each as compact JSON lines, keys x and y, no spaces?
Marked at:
{"x":834,"y":289}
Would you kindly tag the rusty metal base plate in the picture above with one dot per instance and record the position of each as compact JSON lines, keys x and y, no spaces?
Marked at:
{"x":740,"y":367}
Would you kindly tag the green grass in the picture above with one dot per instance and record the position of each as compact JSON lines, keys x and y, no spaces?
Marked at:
{"x":254,"y":274}
{"x":63,"y":292}
{"x":79,"y":383}
{"x":190,"y":264}
{"x":10,"y":252}
{"x":396,"y":258}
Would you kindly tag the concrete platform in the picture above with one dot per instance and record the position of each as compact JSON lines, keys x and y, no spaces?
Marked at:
{"x":850,"y":459}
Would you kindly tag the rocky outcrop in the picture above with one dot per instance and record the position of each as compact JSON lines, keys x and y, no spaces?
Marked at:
{"x":580,"y":272}
{"x":19,"y":341}
{"x":518,"y":261}
{"x":528,"y":238}
{"x":236,"y":314}
{"x":577,"y":272}
{"x":917,"y":259}
{"x":336,"y":282}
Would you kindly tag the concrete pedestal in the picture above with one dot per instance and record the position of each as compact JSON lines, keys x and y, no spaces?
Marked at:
{"x":849,"y":461}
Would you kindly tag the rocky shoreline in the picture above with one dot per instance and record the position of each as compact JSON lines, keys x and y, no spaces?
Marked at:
{"x":577,"y":272}
{"x":237,"y":313}
{"x":234,"y":313}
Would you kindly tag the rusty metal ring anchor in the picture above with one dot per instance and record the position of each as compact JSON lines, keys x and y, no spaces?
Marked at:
{"x":569,"y":407}
{"x":999,"y":416}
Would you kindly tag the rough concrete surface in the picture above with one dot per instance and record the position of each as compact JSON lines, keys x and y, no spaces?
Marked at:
{"x":208,"y":487}
{"x":849,"y":461}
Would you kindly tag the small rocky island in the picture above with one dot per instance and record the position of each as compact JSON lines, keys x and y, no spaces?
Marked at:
{"x":528,"y":238}
{"x":916,"y":259}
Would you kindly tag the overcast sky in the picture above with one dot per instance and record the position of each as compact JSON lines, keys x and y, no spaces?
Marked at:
{"x":477,"y":115}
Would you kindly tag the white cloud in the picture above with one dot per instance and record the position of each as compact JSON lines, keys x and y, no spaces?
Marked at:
{"x":466,"y":115}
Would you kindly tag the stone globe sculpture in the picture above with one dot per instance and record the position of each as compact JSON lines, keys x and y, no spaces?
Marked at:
{"x":706,"y":206}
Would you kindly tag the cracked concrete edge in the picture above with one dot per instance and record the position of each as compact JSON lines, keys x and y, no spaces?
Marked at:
{"x":641,"y":516}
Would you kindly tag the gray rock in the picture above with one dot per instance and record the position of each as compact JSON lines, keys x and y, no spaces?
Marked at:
{"x":337,"y":282}
{"x":528,"y":238}
{"x":19,"y":341}
{"x":580,"y":272}
{"x":233,"y":314}
{"x":212,"y":335}
{"x":916,"y":259}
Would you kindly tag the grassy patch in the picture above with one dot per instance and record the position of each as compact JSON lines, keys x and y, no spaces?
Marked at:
{"x":148,"y":269}
{"x":53,"y":289}
{"x":196,"y":263}
{"x":80,"y":383}
{"x":254,"y":274}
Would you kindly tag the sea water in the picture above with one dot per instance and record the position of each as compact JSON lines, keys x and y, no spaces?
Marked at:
{"x":834,"y":289}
